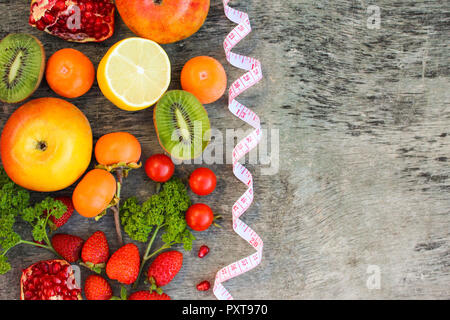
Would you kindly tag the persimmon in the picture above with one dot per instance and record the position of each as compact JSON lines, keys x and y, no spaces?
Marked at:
{"x":117,"y":147}
{"x":94,"y":193}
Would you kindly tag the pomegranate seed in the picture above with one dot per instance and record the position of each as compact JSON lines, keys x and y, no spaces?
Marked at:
{"x":82,"y":6}
{"x":44,"y":267}
{"x":107,"y":19}
{"x":203,"y":286}
{"x":97,"y":35}
{"x":89,"y":6}
{"x":55,"y":268}
{"x":31,"y":20}
{"x":105,"y":29}
{"x":203,"y":251}
{"x":48,"y":18}
{"x":28,"y":294}
{"x":60,"y":5}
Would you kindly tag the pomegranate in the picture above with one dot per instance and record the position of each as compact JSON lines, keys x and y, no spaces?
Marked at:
{"x":49,"y":280}
{"x":74,"y":20}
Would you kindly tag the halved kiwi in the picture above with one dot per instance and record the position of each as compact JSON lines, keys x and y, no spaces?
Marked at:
{"x":182,"y":124}
{"x":22,"y":64}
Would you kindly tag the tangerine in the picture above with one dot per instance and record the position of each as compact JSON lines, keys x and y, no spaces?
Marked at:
{"x":205,"y":78}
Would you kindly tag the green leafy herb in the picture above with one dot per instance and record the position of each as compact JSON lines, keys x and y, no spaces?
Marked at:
{"x":15,"y":202}
{"x":164,"y":212}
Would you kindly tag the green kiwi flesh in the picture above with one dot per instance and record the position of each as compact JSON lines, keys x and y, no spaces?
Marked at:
{"x":22,"y":64}
{"x":182,"y":124}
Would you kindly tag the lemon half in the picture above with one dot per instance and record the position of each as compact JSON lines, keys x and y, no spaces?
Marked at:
{"x":134,"y":73}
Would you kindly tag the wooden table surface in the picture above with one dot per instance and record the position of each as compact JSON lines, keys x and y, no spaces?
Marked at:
{"x":359,"y":207}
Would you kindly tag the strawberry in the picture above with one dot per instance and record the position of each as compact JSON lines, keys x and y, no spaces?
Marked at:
{"x":147,"y":295}
{"x":124,"y":264}
{"x":57,"y":223}
{"x":67,"y":246}
{"x":95,"y":252}
{"x":97,"y":288}
{"x":164,"y":268}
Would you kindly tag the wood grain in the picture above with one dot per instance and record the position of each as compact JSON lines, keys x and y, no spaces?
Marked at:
{"x":363,"y":117}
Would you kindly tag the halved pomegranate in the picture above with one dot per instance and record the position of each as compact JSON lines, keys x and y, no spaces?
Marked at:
{"x":74,"y":20}
{"x":49,"y":280}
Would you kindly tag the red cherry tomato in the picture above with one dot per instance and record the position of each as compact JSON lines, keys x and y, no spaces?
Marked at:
{"x":159,"y":167}
{"x":199,"y":217}
{"x":202,"y":181}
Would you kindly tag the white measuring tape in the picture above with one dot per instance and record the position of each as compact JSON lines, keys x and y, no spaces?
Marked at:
{"x":253,"y":75}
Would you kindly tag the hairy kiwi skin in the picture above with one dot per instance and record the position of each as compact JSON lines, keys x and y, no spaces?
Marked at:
{"x":157,"y":132}
{"x":41,"y":71}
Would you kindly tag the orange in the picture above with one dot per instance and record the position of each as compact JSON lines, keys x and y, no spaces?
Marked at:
{"x":46,"y":144}
{"x":205,"y":78}
{"x":94,"y":193}
{"x":70,"y":73}
{"x":117,"y":147}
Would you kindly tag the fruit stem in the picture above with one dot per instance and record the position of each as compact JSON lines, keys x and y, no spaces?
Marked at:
{"x":144,"y":257}
{"x":116,"y":207}
{"x":48,"y":247}
{"x":163,"y":247}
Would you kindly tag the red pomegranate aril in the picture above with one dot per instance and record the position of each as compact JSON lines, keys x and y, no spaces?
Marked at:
{"x":56,"y":267}
{"x":40,"y":25}
{"x":105,"y":29}
{"x":203,"y":251}
{"x":60,"y":5}
{"x":48,"y":18}
{"x":107,"y":19}
{"x":203,"y":286}
{"x":89,"y":6}
{"x":32,"y":21}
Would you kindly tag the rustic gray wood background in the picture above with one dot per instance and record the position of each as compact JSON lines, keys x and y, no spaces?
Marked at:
{"x":363,"y":183}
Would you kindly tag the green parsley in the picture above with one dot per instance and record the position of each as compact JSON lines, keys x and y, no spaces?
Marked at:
{"x":15,"y":202}
{"x":164,"y":212}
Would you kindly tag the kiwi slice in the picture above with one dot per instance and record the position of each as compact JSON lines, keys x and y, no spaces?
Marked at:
{"x":182,"y":124}
{"x":22,"y":64}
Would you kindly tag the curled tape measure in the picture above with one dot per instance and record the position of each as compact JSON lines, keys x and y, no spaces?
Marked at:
{"x":251,"y":77}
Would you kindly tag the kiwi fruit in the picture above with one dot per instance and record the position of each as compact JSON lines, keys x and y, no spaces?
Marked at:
{"x":182,"y":124}
{"x":22,"y":64}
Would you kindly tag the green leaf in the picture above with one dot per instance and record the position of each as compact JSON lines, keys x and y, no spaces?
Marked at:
{"x":5,"y":266}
